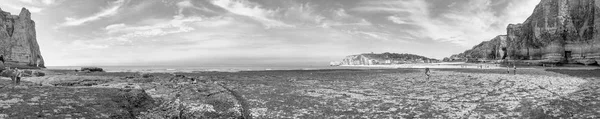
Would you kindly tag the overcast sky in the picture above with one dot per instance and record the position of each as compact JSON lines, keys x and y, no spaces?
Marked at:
{"x":234,"y":32}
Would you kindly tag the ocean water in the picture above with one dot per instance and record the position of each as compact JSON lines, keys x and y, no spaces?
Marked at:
{"x":203,"y":68}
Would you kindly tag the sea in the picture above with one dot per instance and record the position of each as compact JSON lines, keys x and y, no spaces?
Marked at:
{"x":152,"y":69}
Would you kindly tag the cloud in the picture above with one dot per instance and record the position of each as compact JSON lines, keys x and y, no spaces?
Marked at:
{"x":519,"y":11}
{"x":34,"y":6}
{"x":109,"y":11}
{"x":269,"y":31}
{"x":466,"y":24}
{"x":189,"y":4}
{"x":26,"y":1}
{"x":48,"y":2}
{"x":177,"y":25}
{"x":302,"y":14}
{"x":38,"y":2}
{"x":252,"y":10}
{"x":30,"y":8}
{"x":397,"y":20}
{"x":392,"y":6}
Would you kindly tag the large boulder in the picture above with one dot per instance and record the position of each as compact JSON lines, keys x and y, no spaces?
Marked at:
{"x":92,"y":69}
{"x":192,"y":101}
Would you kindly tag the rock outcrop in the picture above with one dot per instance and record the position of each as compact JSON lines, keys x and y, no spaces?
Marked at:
{"x":487,"y":50}
{"x":18,"y":42}
{"x":558,"y":31}
{"x":384,"y":59}
{"x":28,"y":101}
{"x":123,"y":95}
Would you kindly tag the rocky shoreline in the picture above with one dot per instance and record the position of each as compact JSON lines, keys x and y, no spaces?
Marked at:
{"x":352,"y":93}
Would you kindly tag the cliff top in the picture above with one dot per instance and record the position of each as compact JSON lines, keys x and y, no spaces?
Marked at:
{"x":388,"y":55}
{"x":24,"y":14}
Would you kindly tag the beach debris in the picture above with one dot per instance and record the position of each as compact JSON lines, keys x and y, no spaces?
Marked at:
{"x":146,"y":75}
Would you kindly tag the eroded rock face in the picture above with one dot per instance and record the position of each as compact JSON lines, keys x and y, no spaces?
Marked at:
{"x":493,"y":49}
{"x":18,"y":42}
{"x":557,"y":31}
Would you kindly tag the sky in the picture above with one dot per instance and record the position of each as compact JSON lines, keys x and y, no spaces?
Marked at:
{"x":259,"y":32}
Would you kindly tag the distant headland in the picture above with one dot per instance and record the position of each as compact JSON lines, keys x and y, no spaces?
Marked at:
{"x":383,"y":59}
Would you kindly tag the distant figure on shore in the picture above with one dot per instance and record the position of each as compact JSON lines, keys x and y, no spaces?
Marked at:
{"x":17,"y":75}
{"x":515,"y":69}
{"x":427,"y":72}
{"x":2,"y":59}
{"x":37,"y":61}
{"x":14,"y":74}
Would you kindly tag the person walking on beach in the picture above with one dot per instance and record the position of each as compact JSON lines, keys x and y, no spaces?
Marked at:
{"x":2,"y":58}
{"x":17,"y":75}
{"x":37,"y":61}
{"x":427,"y":72}
{"x":515,"y":69}
{"x":507,"y":69}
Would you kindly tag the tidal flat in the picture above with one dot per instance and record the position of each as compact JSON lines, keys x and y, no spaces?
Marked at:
{"x":339,"y":93}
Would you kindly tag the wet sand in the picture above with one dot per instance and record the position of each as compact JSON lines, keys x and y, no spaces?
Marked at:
{"x":368,"y":93}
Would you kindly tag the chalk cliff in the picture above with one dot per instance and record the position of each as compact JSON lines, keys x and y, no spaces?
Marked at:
{"x":18,"y":42}
{"x":558,"y":31}
{"x":384,"y":59}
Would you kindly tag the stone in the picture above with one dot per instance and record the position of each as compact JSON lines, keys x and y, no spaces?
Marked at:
{"x":18,"y":43}
{"x":558,"y":31}
{"x":193,"y":101}
{"x":92,"y":69}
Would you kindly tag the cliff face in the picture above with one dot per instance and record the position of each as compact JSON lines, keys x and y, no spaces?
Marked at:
{"x":18,"y":42}
{"x":487,"y":50}
{"x":384,"y":59}
{"x":557,"y":31}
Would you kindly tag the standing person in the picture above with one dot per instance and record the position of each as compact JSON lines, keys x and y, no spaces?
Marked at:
{"x":507,"y":69}
{"x":37,"y":61}
{"x":427,"y":71}
{"x":515,"y":69}
{"x":2,"y":58}
{"x":17,"y":75}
